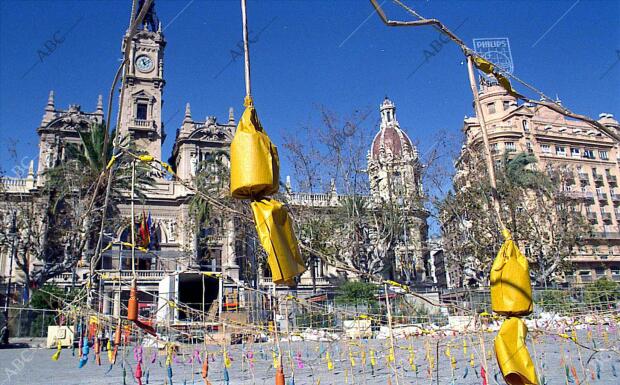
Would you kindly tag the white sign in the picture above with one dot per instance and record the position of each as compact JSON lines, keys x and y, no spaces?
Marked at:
{"x":497,"y":51}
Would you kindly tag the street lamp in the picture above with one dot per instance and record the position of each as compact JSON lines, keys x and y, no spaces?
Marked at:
{"x":12,"y":234}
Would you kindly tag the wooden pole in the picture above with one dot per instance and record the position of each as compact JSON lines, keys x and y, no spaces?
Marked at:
{"x":485,"y":138}
{"x":133,"y":218}
{"x":389,"y":316}
{"x":246,"y":48}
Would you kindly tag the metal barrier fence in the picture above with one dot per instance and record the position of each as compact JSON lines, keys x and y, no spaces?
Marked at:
{"x":25,"y":322}
{"x":406,"y":309}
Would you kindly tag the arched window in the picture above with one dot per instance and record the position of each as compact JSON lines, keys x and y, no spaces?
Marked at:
{"x":526,"y":125}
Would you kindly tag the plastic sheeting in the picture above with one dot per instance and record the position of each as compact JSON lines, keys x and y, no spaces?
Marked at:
{"x":511,"y":289}
{"x":254,"y":162}
{"x":275,"y":231}
{"x":512,"y":355}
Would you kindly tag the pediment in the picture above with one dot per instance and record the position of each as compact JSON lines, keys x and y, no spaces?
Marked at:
{"x":212,"y":133}
{"x":142,"y":94}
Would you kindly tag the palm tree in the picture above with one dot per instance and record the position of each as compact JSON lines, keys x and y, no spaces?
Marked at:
{"x":211,"y":179}
{"x":74,"y":196}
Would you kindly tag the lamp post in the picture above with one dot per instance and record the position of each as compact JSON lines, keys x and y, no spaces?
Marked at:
{"x":12,"y":234}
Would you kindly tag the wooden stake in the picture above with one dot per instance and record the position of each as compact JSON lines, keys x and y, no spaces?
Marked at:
{"x":246,"y":48}
{"x":389,"y":315}
{"x":485,"y":138}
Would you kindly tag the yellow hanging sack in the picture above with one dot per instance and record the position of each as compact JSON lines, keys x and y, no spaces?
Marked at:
{"x":254,"y":162}
{"x":511,"y":290}
{"x":512,"y":355}
{"x":275,"y":231}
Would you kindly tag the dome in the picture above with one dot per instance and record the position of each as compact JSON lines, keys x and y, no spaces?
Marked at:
{"x":390,"y":137}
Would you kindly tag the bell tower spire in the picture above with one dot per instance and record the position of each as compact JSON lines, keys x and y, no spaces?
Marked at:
{"x":141,"y":111}
{"x":388,"y":112}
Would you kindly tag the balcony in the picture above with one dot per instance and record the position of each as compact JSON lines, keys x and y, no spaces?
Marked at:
{"x":598,"y":178}
{"x":615,"y":197}
{"x":606,"y":216}
{"x":606,"y":235}
{"x":585,"y":195}
{"x":612,"y":179}
{"x":601,"y":196}
{"x":143,"y":275}
{"x":592,"y":217}
{"x":143,"y":124}
{"x":585,"y":278}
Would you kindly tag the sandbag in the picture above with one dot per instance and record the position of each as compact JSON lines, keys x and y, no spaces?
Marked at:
{"x":275,"y":231}
{"x":512,"y":355}
{"x":254,"y":162}
{"x":511,"y":289}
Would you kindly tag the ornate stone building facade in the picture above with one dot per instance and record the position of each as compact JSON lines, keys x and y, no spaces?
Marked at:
{"x":395,"y":173}
{"x":588,"y":160}
{"x":393,"y":168}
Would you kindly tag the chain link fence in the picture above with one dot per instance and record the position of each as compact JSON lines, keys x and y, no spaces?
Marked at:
{"x":25,"y":322}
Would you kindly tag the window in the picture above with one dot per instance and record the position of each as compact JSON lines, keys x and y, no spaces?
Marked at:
{"x":491,"y":108}
{"x":506,"y":105}
{"x":526,"y":126}
{"x":510,"y":146}
{"x":528,"y":145}
{"x":603,"y":155}
{"x":560,"y":151}
{"x":574,"y":152}
{"x":588,"y":154}
{"x":545,"y":148}
{"x":494,"y":148}
{"x":141,"y":111}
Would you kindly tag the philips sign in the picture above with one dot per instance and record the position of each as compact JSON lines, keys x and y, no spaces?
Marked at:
{"x":496,"y":50}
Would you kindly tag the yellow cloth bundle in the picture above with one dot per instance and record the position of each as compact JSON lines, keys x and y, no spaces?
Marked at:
{"x":275,"y":231}
{"x":254,"y":162}
{"x":511,"y":289}
{"x":512,"y":355}
{"x":488,"y":68}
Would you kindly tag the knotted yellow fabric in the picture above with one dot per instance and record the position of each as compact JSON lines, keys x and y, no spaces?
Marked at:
{"x":254,"y":162}
{"x":275,"y":231}
{"x":488,"y":68}
{"x":511,"y":289}
{"x":512,"y":355}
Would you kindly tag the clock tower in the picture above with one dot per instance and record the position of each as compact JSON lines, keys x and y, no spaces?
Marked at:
{"x":140,"y":115}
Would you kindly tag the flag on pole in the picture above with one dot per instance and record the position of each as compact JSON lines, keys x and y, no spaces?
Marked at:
{"x":145,"y":232}
{"x":149,"y":226}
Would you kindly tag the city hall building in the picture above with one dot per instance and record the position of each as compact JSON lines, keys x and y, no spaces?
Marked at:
{"x":392,"y":156}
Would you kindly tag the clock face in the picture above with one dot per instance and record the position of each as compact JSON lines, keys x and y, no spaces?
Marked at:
{"x":144,"y":63}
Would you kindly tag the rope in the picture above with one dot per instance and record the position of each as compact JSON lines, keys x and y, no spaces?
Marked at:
{"x":545,"y":100}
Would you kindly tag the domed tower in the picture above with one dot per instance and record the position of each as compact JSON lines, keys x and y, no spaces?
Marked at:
{"x":393,"y":164}
{"x":394,"y":172}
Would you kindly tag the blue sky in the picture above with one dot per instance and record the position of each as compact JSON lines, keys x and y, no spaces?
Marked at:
{"x":309,"y":53}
